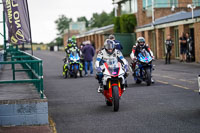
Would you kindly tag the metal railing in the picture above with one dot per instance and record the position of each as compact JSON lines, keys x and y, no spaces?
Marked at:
{"x":1,"y":59}
{"x":30,"y":64}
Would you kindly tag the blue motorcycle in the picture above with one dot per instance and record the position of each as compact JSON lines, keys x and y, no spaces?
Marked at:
{"x":72,"y":65}
{"x":143,"y":68}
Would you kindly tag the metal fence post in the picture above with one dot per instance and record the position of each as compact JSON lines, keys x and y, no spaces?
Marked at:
{"x":41,"y":79}
{"x":13,"y":68}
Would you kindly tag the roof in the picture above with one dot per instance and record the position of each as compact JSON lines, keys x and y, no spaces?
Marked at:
{"x":97,"y":30}
{"x":173,"y":18}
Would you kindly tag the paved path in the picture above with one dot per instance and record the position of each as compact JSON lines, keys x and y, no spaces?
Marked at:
{"x":170,"y":105}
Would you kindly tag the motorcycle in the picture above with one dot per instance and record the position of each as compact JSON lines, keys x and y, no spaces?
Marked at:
{"x":113,"y":82}
{"x":71,"y":65}
{"x":143,"y":68}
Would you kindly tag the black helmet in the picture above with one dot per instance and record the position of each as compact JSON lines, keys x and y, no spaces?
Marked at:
{"x":109,"y":45}
{"x":69,"y":40}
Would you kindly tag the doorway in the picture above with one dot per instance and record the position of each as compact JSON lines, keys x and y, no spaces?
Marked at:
{"x":193,"y":44}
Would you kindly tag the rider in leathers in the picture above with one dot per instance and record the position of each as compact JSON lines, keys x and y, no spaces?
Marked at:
{"x":136,"y":50}
{"x":71,"y":46}
{"x":106,"y":53}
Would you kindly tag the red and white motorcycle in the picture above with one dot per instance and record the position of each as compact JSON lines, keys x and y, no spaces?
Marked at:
{"x":113,"y":82}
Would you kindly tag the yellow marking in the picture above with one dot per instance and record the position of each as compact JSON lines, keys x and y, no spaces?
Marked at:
{"x":196,"y":91}
{"x":181,"y":87}
{"x":168,"y":77}
{"x":162,"y":82}
{"x":186,"y":80}
{"x":52,"y":125}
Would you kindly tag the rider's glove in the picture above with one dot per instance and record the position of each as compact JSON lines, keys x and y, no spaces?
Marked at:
{"x":98,"y":69}
{"x":126,"y":68}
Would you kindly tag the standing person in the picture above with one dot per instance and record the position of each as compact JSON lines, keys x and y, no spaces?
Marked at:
{"x":88,"y":52}
{"x":118,"y":45}
{"x":189,"y":47}
{"x":183,"y":44}
{"x":168,"y":49}
{"x":81,"y":53}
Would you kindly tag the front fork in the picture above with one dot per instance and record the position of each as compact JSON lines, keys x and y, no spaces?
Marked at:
{"x":108,"y":93}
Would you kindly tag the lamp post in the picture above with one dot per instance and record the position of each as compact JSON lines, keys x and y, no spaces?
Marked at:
{"x":153,"y":11}
{"x":191,"y":7}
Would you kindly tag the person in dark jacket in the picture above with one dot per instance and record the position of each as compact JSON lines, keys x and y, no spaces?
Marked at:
{"x":168,"y":49}
{"x":117,"y":43}
{"x":88,"y":52}
{"x":183,"y":44}
{"x":190,"y":48}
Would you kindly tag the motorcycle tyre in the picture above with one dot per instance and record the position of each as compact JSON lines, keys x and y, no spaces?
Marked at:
{"x":115,"y":93}
{"x":148,"y":76}
{"x":75,"y":72}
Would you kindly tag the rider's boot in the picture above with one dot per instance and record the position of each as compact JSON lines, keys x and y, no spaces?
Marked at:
{"x":100,"y":88}
{"x":152,"y":80}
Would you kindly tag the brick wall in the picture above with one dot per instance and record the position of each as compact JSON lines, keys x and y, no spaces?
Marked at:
{"x":147,"y":36}
{"x":159,"y":44}
{"x":184,"y":3}
{"x":142,"y":19}
{"x":65,"y":37}
{"x":197,"y":41}
{"x":27,"y":112}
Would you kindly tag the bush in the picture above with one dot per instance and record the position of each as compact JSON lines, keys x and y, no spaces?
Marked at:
{"x":126,"y":23}
{"x":117,"y":25}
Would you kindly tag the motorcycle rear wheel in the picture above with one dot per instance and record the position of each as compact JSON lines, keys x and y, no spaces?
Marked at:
{"x":115,"y":94}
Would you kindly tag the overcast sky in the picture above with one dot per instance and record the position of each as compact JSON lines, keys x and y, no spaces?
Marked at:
{"x":43,"y":14}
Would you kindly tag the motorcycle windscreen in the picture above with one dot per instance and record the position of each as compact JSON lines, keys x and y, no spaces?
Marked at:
{"x":113,"y":66}
{"x":144,"y":56}
{"x":74,"y":55}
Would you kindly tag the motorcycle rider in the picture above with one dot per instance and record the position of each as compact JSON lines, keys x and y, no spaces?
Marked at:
{"x":70,"y":47}
{"x":106,"y":53}
{"x":137,"y":49}
{"x":70,"y":44}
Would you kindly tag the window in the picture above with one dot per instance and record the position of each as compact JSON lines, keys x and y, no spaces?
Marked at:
{"x":129,"y":6}
{"x":160,"y":3}
{"x":133,"y":6}
{"x":196,"y":2}
{"x":147,"y":4}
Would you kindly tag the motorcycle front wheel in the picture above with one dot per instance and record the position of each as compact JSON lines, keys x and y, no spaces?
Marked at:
{"x":148,"y":77}
{"x":115,"y":94}
{"x":75,"y":72}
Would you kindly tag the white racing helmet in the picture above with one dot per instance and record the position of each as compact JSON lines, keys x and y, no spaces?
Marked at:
{"x":109,"y":45}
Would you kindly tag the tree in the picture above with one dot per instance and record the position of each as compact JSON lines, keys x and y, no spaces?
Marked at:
{"x":83,"y":19}
{"x":128,"y":23}
{"x":62,"y":24}
{"x":100,"y":20}
{"x":59,"y":41}
{"x":117,"y":25}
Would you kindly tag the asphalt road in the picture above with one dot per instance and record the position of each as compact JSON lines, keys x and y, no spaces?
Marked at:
{"x":171,"y":105}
